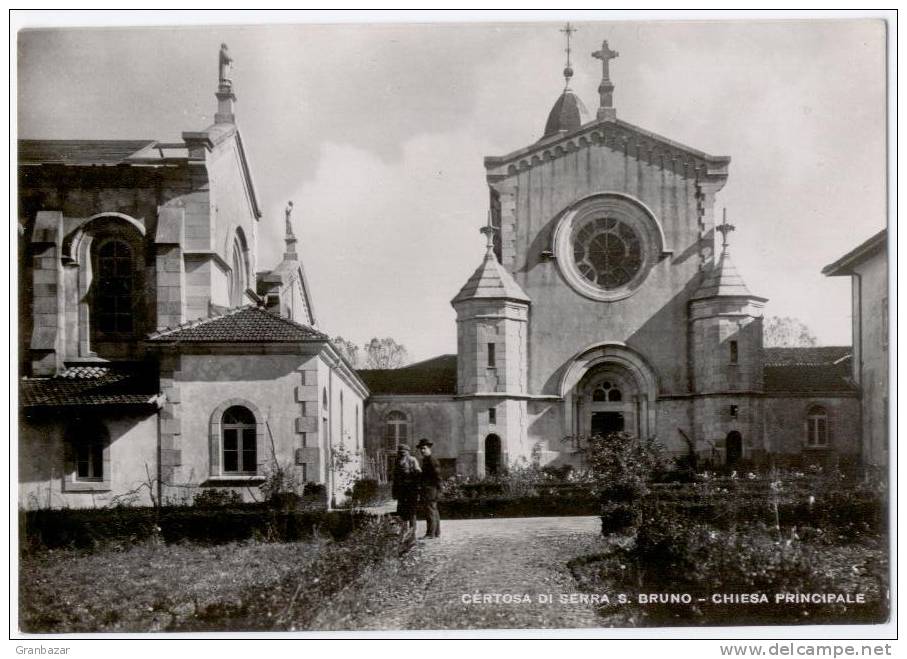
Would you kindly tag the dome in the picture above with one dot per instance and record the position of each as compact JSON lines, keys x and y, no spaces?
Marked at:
{"x":567,"y":115}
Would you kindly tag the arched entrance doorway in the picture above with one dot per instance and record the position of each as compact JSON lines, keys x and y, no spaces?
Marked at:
{"x":608,"y":388}
{"x":733,"y":448}
{"x":607,"y":400}
{"x":492,"y":455}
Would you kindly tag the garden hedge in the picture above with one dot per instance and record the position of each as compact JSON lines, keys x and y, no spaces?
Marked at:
{"x":86,"y":528}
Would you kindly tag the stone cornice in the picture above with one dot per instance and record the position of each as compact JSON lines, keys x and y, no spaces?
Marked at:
{"x":620,"y":136}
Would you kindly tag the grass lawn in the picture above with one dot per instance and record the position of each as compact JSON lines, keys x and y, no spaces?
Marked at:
{"x":188,"y":587}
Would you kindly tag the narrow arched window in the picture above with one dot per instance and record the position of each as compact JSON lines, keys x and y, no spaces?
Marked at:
{"x":239,"y":275}
{"x":114,"y":293}
{"x":240,"y":452}
{"x":817,"y":427}
{"x":396,"y":430}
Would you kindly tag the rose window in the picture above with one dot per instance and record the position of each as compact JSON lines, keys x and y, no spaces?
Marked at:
{"x":608,"y":253}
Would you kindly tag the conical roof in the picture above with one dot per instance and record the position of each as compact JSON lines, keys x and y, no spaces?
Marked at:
{"x":491,"y":281}
{"x":567,"y":114}
{"x":723,"y":280}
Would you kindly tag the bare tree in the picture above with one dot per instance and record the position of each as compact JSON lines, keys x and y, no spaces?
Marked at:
{"x":786,"y":333}
{"x":385,"y":353}
{"x":348,"y":349}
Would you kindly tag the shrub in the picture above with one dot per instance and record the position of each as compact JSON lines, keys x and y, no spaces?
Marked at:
{"x":621,"y":467}
{"x":311,"y":489}
{"x":216,"y":498}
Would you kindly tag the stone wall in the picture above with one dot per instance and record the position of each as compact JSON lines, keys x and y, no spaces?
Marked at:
{"x":785,"y":429}
{"x":651,"y":320}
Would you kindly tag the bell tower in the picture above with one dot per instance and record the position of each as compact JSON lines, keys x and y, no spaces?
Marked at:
{"x":726,"y":361}
{"x":492,"y":343}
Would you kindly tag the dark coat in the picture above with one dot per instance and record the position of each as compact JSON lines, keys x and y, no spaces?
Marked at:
{"x":407,"y":479}
{"x":431,"y":478}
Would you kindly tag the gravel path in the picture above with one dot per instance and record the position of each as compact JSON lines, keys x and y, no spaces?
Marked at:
{"x":485,"y":573}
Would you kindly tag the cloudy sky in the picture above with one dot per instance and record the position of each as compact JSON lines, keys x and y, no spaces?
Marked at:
{"x":377,"y":133}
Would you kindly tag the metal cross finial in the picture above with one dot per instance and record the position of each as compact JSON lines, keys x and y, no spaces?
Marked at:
{"x":488,"y":230}
{"x":568,"y":30}
{"x":725,"y":229}
{"x":605,"y":55}
{"x":605,"y":87}
{"x":287,"y":213}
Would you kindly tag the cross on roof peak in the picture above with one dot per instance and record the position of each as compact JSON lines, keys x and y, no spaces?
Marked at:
{"x":725,"y":228}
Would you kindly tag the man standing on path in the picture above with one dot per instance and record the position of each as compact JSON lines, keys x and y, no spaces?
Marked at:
{"x":431,"y":489}
{"x":405,"y":487}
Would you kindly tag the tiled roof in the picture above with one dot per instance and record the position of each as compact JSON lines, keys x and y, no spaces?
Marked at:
{"x":88,"y":385}
{"x":723,"y":280}
{"x":436,"y":376}
{"x":491,"y":281}
{"x":805,"y":356}
{"x":79,"y":152}
{"x":243,"y":325}
{"x":815,"y":369}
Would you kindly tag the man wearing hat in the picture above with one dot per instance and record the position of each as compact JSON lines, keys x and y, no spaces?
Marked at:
{"x":431,"y":489}
{"x":405,"y":487}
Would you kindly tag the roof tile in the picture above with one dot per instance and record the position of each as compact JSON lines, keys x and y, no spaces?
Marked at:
{"x":436,"y":376}
{"x":79,"y":152}
{"x":242,"y":325}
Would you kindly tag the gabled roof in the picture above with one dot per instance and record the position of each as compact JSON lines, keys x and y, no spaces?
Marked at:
{"x":650,"y":146}
{"x":870,"y":247}
{"x":79,"y":152}
{"x":819,"y":369}
{"x":89,"y":386}
{"x":491,"y":281}
{"x":436,"y":376}
{"x":248,"y":324}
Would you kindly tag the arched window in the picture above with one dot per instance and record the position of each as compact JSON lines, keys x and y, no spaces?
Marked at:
{"x":607,"y":392}
{"x":396,"y":430}
{"x":817,"y":427}
{"x":239,"y":276}
{"x":114,"y":291}
{"x":239,"y":441}
{"x":342,"y":425}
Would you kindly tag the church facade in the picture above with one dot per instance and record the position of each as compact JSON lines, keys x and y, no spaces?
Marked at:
{"x":158,"y":359}
{"x":607,"y":301}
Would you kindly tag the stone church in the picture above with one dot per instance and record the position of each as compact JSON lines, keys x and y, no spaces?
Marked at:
{"x":607,"y":300}
{"x":158,"y":359}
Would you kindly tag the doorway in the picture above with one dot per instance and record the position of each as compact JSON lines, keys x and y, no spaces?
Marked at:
{"x":605,"y":423}
{"x":733,"y":448}
{"x":492,"y":455}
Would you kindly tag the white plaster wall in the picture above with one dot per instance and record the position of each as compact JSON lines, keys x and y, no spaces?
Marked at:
{"x":133,"y":447}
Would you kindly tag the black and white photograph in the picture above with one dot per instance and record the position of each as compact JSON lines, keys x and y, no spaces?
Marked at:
{"x":452,"y":325}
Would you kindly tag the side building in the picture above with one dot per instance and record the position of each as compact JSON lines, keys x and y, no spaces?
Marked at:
{"x":157,"y":361}
{"x":867,"y":266}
